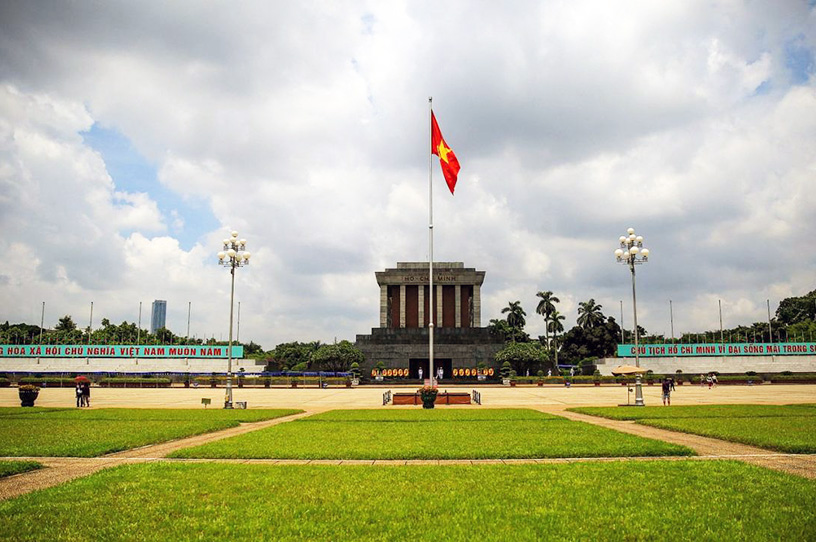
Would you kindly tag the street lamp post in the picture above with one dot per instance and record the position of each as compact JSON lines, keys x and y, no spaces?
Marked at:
{"x":233,"y":255}
{"x":631,"y":253}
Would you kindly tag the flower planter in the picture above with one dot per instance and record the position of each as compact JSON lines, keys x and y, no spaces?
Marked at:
{"x":428,"y":402}
{"x":27,"y":397}
{"x":597,"y":383}
{"x":512,"y":383}
{"x":540,"y":383}
{"x":294,"y":384}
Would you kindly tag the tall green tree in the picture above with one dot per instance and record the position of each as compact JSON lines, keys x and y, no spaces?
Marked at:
{"x":589,"y":314}
{"x":545,"y":308}
{"x":556,"y":326}
{"x":337,"y":357}
{"x":66,"y":323}
{"x":523,"y":356}
{"x":515,"y":318}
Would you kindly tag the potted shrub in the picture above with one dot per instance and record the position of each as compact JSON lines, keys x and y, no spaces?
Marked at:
{"x":513,"y":378}
{"x":28,"y":394}
{"x":650,"y":377}
{"x":187,"y":380}
{"x":428,"y":395}
{"x":267,"y":381}
{"x":596,"y":377}
{"x":213,"y":380}
{"x":679,"y":377}
{"x":540,"y":376}
{"x":354,"y":373}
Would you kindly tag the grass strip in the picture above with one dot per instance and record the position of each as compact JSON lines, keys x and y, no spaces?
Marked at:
{"x":10,"y":468}
{"x":679,"y":500}
{"x":452,"y":434}
{"x":698,"y":411}
{"x":784,"y":428}
{"x":94,"y":432}
{"x":793,"y":434}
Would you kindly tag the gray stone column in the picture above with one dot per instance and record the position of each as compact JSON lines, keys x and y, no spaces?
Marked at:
{"x":402,"y":306}
{"x":421,"y":302}
{"x":477,"y":305}
{"x":458,"y":305}
{"x":383,"y":305}
{"x":438,"y":305}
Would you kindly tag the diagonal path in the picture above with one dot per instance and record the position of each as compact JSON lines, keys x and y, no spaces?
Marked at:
{"x":63,"y":469}
{"x":706,"y":447}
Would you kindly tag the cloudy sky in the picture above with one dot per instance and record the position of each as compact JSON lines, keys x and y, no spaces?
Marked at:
{"x":135,"y":135}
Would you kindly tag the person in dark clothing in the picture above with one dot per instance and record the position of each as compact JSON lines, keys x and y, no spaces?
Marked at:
{"x":86,"y":394}
{"x":78,"y":392}
{"x":666,"y":392}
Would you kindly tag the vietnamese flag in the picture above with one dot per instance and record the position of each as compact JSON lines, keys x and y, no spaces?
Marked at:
{"x":448,"y":161}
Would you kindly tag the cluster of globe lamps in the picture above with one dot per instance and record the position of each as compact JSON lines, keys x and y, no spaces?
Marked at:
{"x":232,"y":256}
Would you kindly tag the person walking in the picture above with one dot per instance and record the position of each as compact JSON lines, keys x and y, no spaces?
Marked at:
{"x":86,"y":394}
{"x":666,"y":392}
{"x":420,"y":373}
{"x":78,"y":392}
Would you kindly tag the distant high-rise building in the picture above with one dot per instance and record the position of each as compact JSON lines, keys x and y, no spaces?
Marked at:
{"x":158,"y":316}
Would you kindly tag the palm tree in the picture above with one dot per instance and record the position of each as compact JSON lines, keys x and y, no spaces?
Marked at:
{"x":555,"y":326}
{"x":515,"y":317}
{"x":589,"y":314}
{"x":545,"y":308}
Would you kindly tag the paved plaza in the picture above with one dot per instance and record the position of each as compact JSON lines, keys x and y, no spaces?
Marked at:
{"x":371,"y":396}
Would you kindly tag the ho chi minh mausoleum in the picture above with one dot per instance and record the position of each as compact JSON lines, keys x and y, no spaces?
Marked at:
{"x":406,"y":309}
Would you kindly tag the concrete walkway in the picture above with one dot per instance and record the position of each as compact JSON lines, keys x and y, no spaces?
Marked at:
{"x":553,"y":400}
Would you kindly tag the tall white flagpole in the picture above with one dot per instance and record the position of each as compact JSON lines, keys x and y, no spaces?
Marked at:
{"x":431,"y":304}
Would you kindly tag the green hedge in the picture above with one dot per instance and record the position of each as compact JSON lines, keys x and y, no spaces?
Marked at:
{"x":802,"y":377}
{"x":278,"y":381}
{"x":53,"y":381}
{"x":128,"y":382}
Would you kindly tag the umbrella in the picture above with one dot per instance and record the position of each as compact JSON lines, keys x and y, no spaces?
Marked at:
{"x":628,"y":370}
{"x":82,"y":379}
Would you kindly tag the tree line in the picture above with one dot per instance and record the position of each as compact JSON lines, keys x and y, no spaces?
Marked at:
{"x":596,"y":335}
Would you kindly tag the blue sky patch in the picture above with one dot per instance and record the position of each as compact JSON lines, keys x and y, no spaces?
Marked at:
{"x":799,"y":60}
{"x":131,"y":172}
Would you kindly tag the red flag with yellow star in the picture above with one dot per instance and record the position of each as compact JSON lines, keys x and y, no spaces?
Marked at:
{"x":447,"y":159}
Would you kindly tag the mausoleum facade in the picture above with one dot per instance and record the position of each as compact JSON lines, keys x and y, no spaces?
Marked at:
{"x":407,"y":306}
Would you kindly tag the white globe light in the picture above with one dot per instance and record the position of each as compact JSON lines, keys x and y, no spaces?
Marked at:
{"x":231,"y":253}
{"x":645,"y":252}
{"x":639,"y":239}
{"x":634,"y":250}
{"x":625,"y":254}
{"x":632,"y":237}
{"x":630,"y":231}
{"x":622,"y":239}
{"x":247,"y":255}
{"x":221,"y":255}
{"x":225,"y":241}
{"x":243,"y":241}
{"x":234,"y":233}
{"x":619,"y":254}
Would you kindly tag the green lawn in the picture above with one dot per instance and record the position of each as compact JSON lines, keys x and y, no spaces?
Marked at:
{"x":643,"y":500}
{"x":9,"y":468}
{"x":58,"y":432}
{"x":433,"y":434}
{"x":785,"y":428}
